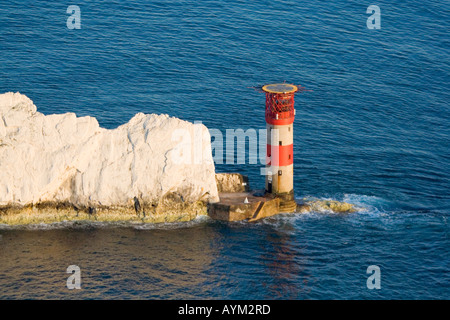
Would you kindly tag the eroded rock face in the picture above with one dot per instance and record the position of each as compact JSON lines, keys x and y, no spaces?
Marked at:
{"x":64,"y":158}
{"x":232,"y":182}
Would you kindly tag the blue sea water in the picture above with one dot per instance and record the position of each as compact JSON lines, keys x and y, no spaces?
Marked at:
{"x":373,"y":131}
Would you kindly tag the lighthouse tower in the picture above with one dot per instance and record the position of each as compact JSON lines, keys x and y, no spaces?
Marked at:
{"x":280,"y":114}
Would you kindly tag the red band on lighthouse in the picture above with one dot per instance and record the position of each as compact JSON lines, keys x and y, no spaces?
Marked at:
{"x":280,"y":155}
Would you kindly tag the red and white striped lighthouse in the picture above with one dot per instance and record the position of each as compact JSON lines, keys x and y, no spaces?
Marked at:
{"x":280,"y":114}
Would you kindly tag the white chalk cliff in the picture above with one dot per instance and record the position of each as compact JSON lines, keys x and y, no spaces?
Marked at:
{"x":65,"y":158}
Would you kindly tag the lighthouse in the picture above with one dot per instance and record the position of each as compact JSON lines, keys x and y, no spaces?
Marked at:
{"x":280,"y":114}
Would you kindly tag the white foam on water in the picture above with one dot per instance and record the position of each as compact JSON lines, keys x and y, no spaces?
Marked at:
{"x":369,"y":202}
{"x":364,"y":205}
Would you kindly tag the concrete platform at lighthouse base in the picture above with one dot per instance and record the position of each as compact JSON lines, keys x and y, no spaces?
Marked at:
{"x":234,"y":207}
{"x":238,"y":202}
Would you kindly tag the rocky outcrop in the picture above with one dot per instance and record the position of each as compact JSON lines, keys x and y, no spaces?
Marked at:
{"x":232,"y":182}
{"x":326,"y":206}
{"x":62,"y":158}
